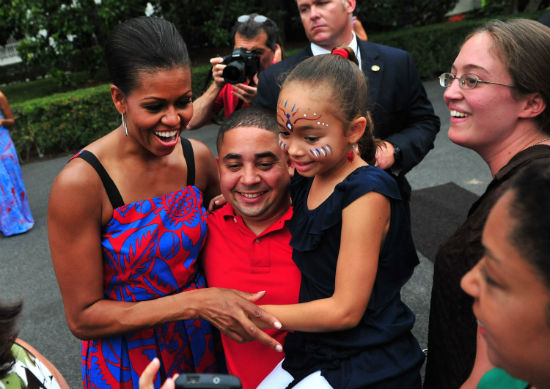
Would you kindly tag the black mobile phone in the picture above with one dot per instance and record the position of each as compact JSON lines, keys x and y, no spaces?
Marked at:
{"x":208,"y":381}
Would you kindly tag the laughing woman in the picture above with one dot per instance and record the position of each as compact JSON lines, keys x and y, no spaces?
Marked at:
{"x":498,"y":95}
{"x":126,"y":222}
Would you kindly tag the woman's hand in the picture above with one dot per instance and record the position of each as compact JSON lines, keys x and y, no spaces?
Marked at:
{"x":233,"y":313}
{"x":217,"y":202}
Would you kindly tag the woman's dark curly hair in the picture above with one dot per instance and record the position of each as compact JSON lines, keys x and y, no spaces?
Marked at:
{"x":8,"y":333}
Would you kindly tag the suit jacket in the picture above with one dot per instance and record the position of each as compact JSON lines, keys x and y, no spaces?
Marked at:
{"x":399,"y":106}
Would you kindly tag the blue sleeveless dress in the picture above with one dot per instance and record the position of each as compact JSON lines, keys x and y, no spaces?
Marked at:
{"x":151,"y":249}
{"x":15,"y":213}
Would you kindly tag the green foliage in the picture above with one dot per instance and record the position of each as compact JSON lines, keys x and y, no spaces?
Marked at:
{"x":382,"y":15}
{"x":66,"y":122}
{"x":434,"y":47}
{"x":63,"y":122}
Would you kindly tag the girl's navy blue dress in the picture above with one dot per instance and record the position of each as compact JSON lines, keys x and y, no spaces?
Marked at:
{"x":380,"y":350}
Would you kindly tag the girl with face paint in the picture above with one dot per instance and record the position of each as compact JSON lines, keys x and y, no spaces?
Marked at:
{"x":351,"y":239}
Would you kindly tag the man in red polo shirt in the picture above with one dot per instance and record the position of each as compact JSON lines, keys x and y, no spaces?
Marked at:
{"x":259,"y":35}
{"x":247,"y":247}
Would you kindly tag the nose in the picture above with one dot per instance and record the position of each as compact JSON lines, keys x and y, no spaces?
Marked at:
{"x":453,"y":91}
{"x":171,"y":117}
{"x":293,"y":148}
{"x":313,"y":12}
{"x":250,"y":175}
{"x":470,"y":282}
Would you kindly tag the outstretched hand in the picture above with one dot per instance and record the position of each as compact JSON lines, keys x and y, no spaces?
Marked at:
{"x":231,"y":312}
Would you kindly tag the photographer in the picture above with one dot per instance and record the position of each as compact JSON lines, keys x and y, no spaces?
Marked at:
{"x":256,"y":47}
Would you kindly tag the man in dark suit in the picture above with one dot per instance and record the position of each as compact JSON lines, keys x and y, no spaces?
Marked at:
{"x":403,"y":116}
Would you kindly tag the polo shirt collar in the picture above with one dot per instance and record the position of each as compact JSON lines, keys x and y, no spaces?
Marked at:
{"x":228,"y":212}
{"x":317,"y":50}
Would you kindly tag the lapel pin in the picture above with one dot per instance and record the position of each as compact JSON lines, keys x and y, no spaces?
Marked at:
{"x":375,"y":68}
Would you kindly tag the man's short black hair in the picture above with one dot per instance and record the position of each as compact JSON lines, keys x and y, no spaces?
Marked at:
{"x":248,"y":117}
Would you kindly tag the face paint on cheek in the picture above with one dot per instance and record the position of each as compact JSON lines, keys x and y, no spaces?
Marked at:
{"x":291,"y":117}
{"x":321,"y":152}
{"x":282,"y":145}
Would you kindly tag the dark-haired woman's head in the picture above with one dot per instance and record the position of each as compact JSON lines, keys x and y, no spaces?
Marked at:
{"x":511,"y":283}
{"x":8,"y":333}
{"x":143,"y":44}
{"x":151,"y":76}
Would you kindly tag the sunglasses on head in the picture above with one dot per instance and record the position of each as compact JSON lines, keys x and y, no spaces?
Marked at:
{"x":256,"y":18}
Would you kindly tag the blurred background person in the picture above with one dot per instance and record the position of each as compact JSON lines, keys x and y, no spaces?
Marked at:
{"x":15,"y":213}
{"x":257,"y":37}
{"x":21,"y":365}
{"x":358,"y":28}
{"x":497,"y":93}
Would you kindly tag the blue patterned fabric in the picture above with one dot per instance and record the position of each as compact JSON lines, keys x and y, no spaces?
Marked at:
{"x":150,"y":250}
{"x":15,"y":213}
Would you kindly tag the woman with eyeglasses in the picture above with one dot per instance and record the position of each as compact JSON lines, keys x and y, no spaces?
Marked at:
{"x":497,"y":93}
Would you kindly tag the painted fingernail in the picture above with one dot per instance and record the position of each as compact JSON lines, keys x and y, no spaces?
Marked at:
{"x":278,"y":325}
{"x":279,"y":348}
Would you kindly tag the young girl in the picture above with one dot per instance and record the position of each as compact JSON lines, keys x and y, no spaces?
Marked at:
{"x":351,"y":240}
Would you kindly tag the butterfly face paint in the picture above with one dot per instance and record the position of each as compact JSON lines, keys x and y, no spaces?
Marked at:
{"x":321,"y":152}
{"x":291,"y":116}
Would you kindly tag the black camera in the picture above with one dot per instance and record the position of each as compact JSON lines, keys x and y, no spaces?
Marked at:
{"x":208,"y":381}
{"x":242,"y":64}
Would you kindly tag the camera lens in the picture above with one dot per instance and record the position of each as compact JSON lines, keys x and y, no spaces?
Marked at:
{"x":234,"y":72}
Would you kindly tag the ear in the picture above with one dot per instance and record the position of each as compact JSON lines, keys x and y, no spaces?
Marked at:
{"x":533,"y":105}
{"x":349,"y":5}
{"x":356,"y":129}
{"x":119,"y":99}
{"x":277,"y":54}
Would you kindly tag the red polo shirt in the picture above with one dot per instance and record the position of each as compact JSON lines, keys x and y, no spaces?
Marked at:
{"x":234,"y":257}
{"x":228,"y":101}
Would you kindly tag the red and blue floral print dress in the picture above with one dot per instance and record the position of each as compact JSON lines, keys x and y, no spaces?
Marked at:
{"x":150,"y":250}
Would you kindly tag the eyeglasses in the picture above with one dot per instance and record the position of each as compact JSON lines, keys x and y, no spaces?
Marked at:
{"x":466,"y":81}
{"x":257,"y":18}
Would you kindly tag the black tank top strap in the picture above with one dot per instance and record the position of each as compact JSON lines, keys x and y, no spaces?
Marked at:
{"x":189,"y":156}
{"x":108,"y":184}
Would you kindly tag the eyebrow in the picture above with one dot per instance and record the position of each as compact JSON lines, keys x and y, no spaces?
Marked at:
{"x":189,"y":93}
{"x":267,"y":154}
{"x":470,"y":67}
{"x":232,"y":156}
{"x":490,"y":255}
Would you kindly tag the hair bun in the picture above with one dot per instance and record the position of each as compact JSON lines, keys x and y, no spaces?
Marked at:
{"x":341,"y":52}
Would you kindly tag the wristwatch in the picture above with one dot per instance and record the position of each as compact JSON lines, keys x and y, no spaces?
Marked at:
{"x":395,"y":169}
{"x":396,"y":154}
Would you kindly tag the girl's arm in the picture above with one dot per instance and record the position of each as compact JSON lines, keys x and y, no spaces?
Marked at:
{"x":8,"y":120}
{"x":74,"y":233}
{"x":365,"y":223}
